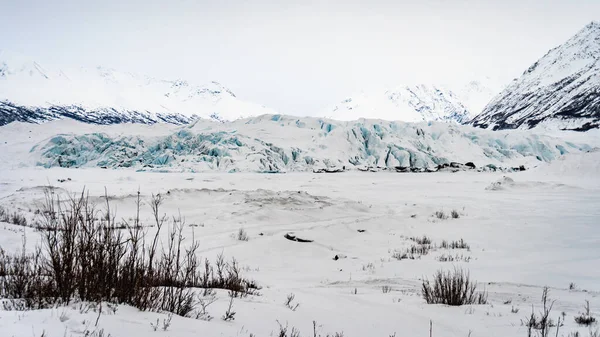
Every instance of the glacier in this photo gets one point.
(279, 143)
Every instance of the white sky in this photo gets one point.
(296, 57)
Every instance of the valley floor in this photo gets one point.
(540, 229)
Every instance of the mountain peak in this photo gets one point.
(593, 25)
(31, 92)
(561, 89)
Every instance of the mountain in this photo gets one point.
(476, 94)
(30, 92)
(560, 91)
(274, 143)
(417, 103)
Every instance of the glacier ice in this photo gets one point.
(279, 143)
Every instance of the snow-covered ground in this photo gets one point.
(538, 228)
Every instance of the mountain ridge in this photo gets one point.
(417, 103)
(561, 90)
(31, 92)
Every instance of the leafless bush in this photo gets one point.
(541, 324)
(14, 218)
(229, 314)
(452, 288)
(422, 240)
(166, 323)
(514, 310)
(204, 303)
(586, 317)
(453, 258)
(242, 235)
(440, 215)
(454, 214)
(87, 258)
(289, 302)
(3, 214)
(23, 281)
(95, 333)
(414, 252)
(386, 289)
(460, 244)
(572, 286)
(283, 331)
(369, 267)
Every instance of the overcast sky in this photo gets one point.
(296, 57)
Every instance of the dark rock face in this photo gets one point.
(561, 90)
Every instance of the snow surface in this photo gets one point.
(276, 143)
(542, 230)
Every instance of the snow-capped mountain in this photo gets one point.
(476, 94)
(561, 90)
(30, 92)
(416, 103)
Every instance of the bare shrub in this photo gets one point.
(412, 253)
(283, 331)
(370, 267)
(166, 323)
(386, 289)
(454, 214)
(4, 216)
(586, 317)
(422, 240)
(87, 258)
(242, 235)
(94, 333)
(289, 302)
(204, 303)
(452, 288)
(14, 218)
(229, 314)
(440, 215)
(543, 322)
(460, 244)
(453, 258)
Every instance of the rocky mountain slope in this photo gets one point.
(30, 92)
(560, 91)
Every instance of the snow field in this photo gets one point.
(541, 230)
